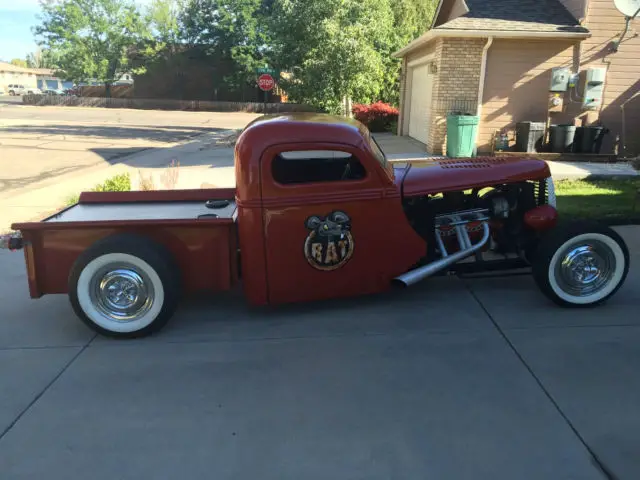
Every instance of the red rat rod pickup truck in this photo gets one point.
(318, 212)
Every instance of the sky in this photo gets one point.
(16, 19)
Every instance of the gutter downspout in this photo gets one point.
(623, 133)
(403, 97)
(483, 75)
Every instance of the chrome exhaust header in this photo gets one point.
(466, 249)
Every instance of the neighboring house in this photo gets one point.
(47, 80)
(11, 74)
(124, 79)
(494, 59)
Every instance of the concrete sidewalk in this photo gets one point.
(406, 148)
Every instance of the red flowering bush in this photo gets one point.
(378, 117)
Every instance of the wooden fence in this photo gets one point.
(165, 104)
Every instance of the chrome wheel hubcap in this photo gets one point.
(586, 269)
(122, 294)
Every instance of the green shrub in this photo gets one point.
(393, 127)
(119, 183)
(72, 199)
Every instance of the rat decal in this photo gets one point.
(329, 244)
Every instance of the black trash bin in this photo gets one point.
(577, 140)
(591, 139)
(561, 138)
(529, 136)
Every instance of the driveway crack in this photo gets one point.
(44, 390)
(598, 462)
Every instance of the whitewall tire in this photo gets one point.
(581, 264)
(124, 286)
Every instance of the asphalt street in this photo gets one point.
(45, 145)
(450, 379)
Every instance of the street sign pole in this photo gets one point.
(266, 82)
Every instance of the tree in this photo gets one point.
(343, 48)
(165, 21)
(234, 32)
(333, 49)
(94, 37)
(43, 58)
(18, 62)
(411, 18)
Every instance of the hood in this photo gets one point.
(430, 176)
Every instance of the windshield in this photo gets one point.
(377, 151)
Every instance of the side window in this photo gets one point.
(311, 166)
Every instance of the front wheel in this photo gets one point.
(581, 264)
(124, 286)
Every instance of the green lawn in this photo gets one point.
(609, 200)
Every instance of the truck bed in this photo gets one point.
(96, 212)
(202, 240)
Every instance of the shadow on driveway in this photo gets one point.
(168, 134)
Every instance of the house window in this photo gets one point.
(311, 166)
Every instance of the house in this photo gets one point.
(47, 80)
(11, 74)
(496, 59)
(123, 79)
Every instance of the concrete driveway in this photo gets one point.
(451, 379)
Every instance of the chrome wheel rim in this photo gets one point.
(122, 294)
(585, 268)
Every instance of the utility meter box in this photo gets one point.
(594, 88)
(559, 79)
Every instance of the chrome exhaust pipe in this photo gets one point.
(420, 273)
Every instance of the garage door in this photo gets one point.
(421, 86)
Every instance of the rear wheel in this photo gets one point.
(581, 264)
(124, 286)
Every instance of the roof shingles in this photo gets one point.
(515, 15)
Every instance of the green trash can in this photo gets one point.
(461, 135)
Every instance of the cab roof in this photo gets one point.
(270, 130)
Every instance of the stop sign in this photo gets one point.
(266, 82)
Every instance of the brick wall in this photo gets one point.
(456, 84)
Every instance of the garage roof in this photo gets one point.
(513, 15)
(505, 19)
(10, 67)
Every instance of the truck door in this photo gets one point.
(333, 224)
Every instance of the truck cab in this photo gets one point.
(320, 214)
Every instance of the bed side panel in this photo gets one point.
(203, 253)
